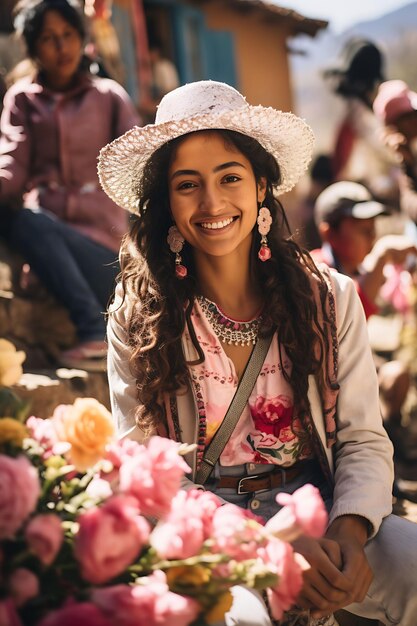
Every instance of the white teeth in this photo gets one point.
(215, 225)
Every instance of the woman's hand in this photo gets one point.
(339, 572)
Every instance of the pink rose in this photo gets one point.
(237, 532)
(23, 585)
(19, 493)
(280, 559)
(116, 453)
(109, 539)
(271, 415)
(82, 614)
(303, 513)
(147, 603)
(153, 475)
(8, 614)
(44, 535)
(187, 525)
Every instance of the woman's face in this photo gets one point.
(58, 50)
(213, 195)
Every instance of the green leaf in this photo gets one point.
(11, 405)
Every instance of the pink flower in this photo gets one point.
(43, 432)
(116, 453)
(23, 585)
(303, 513)
(19, 493)
(44, 535)
(237, 532)
(147, 603)
(280, 559)
(82, 614)
(8, 614)
(153, 475)
(109, 539)
(187, 525)
(286, 434)
(264, 221)
(271, 415)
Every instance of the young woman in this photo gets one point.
(52, 128)
(207, 269)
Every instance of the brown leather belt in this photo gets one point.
(258, 482)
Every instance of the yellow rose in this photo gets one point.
(10, 363)
(186, 576)
(217, 612)
(12, 431)
(86, 425)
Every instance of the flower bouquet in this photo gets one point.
(98, 532)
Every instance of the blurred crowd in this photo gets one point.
(358, 214)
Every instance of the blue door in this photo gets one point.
(202, 53)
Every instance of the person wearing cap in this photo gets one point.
(209, 269)
(359, 153)
(396, 106)
(345, 214)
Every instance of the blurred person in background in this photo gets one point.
(54, 123)
(396, 106)
(164, 79)
(360, 154)
(320, 176)
(345, 215)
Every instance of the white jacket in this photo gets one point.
(361, 459)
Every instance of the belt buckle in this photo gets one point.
(240, 488)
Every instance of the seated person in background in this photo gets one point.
(345, 215)
(164, 79)
(396, 106)
(53, 125)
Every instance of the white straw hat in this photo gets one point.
(204, 105)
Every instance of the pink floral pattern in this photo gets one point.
(264, 434)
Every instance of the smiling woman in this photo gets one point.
(214, 204)
(212, 283)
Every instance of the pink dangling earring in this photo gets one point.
(176, 242)
(264, 226)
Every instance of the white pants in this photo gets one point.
(392, 555)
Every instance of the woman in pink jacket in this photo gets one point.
(52, 128)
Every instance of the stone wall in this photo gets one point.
(35, 322)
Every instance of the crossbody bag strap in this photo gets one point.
(238, 403)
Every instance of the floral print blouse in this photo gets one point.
(266, 432)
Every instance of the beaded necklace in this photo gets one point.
(236, 332)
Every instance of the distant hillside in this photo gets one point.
(395, 33)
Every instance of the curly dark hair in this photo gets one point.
(161, 305)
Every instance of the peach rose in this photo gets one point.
(10, 363)
(87, 426)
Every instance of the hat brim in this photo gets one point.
(367, 210)
(284, 135)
